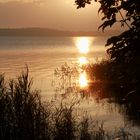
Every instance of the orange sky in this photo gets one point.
(59, 14)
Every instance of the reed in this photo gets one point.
(24, 116)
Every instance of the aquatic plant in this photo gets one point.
(24, 116)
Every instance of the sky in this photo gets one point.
(58, 14)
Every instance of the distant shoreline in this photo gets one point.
(23, 32)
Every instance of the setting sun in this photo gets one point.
(83, 44)
(83, 82)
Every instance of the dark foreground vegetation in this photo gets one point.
(24, 116)
(119, 83)
(120, 76)
(123, 68)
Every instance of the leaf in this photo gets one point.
(112, 40)
(107, 23)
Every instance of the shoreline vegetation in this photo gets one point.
(106, 80)
(25, 116)
(121, 73)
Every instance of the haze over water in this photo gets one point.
(43, 55)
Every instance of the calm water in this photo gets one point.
(44, 54)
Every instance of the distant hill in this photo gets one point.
(49, 32)
(32, 32)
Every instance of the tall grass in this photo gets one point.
(24, 116)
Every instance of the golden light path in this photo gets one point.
(82, 60)
(83, 44)
(83, 82)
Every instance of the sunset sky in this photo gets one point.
(58, 14)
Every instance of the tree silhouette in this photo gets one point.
(123, 48)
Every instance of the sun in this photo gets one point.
(83, 44)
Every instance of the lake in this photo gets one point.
(44, 54)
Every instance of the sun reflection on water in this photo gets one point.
(83, 82)
(82, 60)
(83, 44)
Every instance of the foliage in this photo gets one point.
(24, 116)
(124, 47)
(65, 79)
(82, 3)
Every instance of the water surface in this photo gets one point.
(44, 54)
